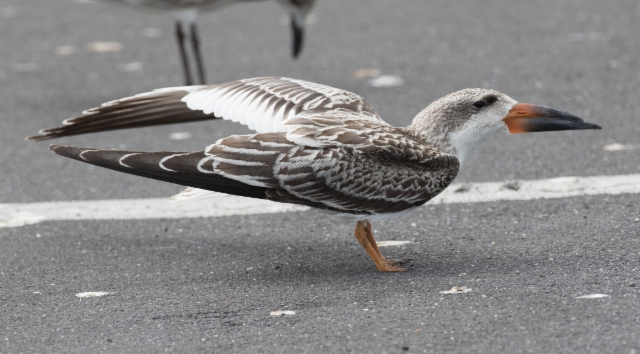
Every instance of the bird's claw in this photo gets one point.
(395, 262)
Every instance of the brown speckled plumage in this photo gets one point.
(322, 146)
(314, 145)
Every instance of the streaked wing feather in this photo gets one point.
(158, 107)
(257, 102)
(263, 104)
(179, 168)
(392, 173)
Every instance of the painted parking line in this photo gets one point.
(13, 215)
(20, 214)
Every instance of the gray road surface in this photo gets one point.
(208, 285)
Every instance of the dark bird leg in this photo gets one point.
(195, 42)
(298, 34)
(183, 54)
(364, 235)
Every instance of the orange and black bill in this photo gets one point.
(528, 118)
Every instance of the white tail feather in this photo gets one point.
(195, 193)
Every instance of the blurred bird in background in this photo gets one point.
(185, 13)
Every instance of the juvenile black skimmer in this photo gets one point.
(186, 12)
(315, 145)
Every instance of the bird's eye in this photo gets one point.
(479, 104)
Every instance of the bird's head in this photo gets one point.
(298, 11)
(458, 122)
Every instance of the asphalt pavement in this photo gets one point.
(209, 285)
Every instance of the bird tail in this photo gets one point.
(174, 167)
(158, 107)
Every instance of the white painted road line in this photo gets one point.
(14, 215)
(561, 187)
(92, 294)
(592, 296)
(392, 243)
(457, 290)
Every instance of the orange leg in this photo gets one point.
(364, 235)
(373, 242)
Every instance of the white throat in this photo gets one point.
(479, 128)
(468, 138)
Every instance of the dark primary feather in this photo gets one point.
(264, 96)
(155, 108)
(147, 164)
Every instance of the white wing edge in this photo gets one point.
(195, 193)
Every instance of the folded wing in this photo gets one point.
(387, 171)
(370, 178)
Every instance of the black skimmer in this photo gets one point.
(186, 12)
(315, 145)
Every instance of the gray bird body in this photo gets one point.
(202, 5)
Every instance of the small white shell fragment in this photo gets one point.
(592, 296)
(282, 313)
(102, 47)
(386, 81)
(179, 135)
(618, 147)
(392, 243)
(457, 289)
(92, 294)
